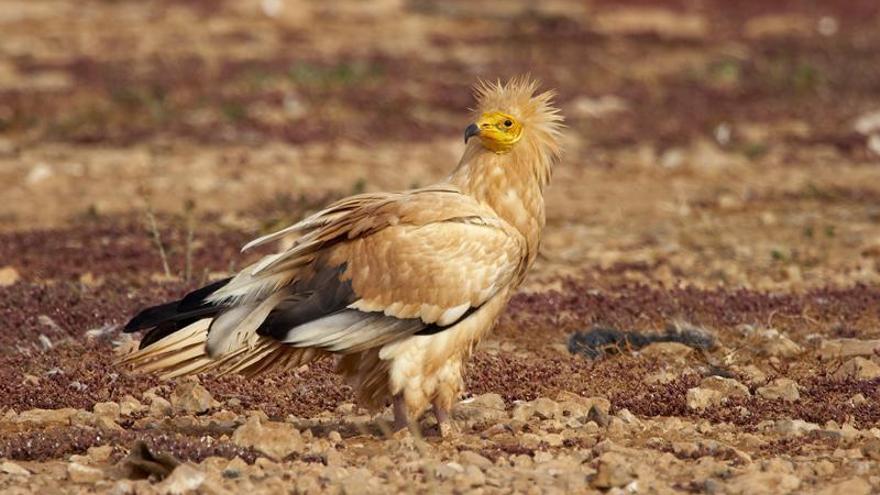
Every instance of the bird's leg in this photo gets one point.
(401, 419)
(445, 426)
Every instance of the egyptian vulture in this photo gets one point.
(398, 287)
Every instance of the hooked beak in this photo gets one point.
(472, 130)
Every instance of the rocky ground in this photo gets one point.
(704, 316)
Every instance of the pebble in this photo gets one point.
(775, 344)
(844, 348)
(184, 479)
(276, 440)
(159, 407)
(715, 390)
(8, 276)
(781, 388)
(481, 409)
(852, 486)
(192, 398)
(9, 467)
(47, 417)
(109, 410)
(764, 483)
(80, 473)
(612, 470)
(793, 427)
(471, 458)
(858, 368)
(667, 351)
(543, 408)
(129, 405)
(598, 416)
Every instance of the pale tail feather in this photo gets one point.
(183, 353)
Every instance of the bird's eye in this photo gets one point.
(508, 123)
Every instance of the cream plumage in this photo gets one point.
(399, 286)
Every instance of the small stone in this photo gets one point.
(192, 398)
(793, 427)
(715, 390)
(8, 276)
(100, 454)
(844, 348)
(9, 467)
(628, 417)
(753, 373)
(667, 351)
(159, 407)
(530, 440)
(775, 344)
(542, 407)
(612, 470)
(129, 405)
(868, 123)
(546, 408)
(334, 437)
(448, 470)
(858, 399)
(781, 388)
(47, 417)
(858, 368)
(184, 479)
(871, 449)
(852, 486)
(334, 458)
(824, 468)
(598, 416)
(234, 468)
(109, 410)
(577, 406)
(79, 473)
(661, 377)
(553, 439)
(486, 408)
(30, 380)
(471, 458)
(763, 483)
(472, 477)
(276, 440)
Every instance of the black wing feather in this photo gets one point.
(165, 319)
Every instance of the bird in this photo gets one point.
(397, 287)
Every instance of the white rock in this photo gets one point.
(794, 427)
(858, 368)
(868, 123)
(8, 276)
(79, 473)
(9, 467)
(715, 390)
(184, 479)
(843, 348)
(276, 440)
(781, 388)
(192, 398)
(482, 408)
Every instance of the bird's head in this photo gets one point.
(498, 131)
(512, 118)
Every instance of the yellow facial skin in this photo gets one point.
(498, 131)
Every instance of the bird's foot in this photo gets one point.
(446, 427)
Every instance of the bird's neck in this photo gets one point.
(509, 184)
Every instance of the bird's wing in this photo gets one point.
(365, 271)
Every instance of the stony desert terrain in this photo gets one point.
(704, 316)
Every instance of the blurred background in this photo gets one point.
(723, 142)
